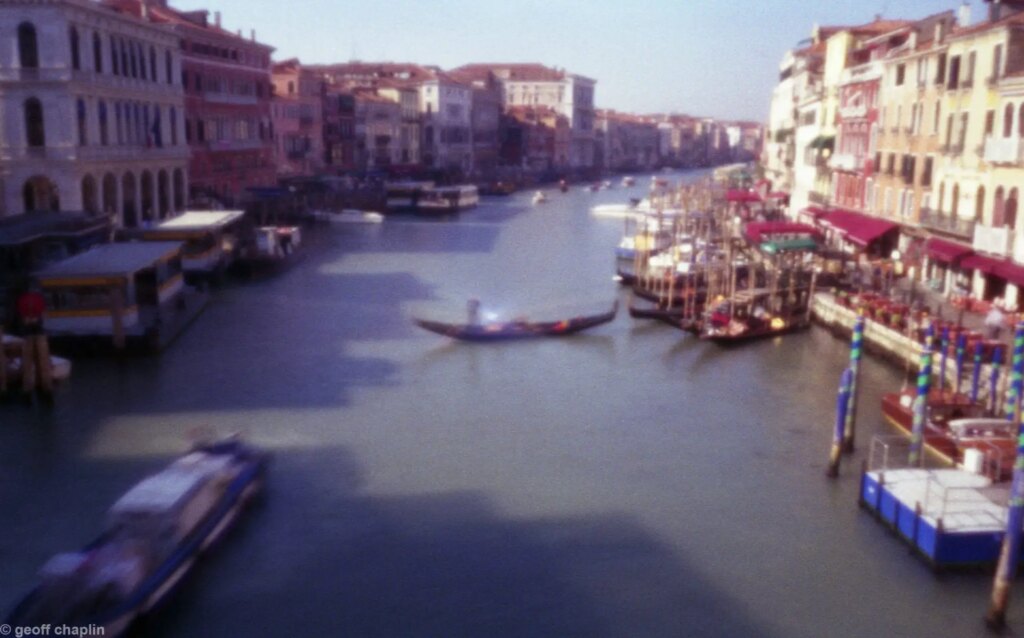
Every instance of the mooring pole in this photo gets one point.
(944, 344)
(993, 399)
(920, 412)
(856, 351)
(961, 348)
(1009, 556)
(979, 347)
(842, 405)
(1016, 375)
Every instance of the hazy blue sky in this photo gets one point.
(716, 58)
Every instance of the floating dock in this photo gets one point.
(951, 517)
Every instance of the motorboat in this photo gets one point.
(153, 536)
(444, 200)
(539, 197)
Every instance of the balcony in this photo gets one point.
(1003, 150)
(996, 241)
(956, 226)
(229, 98)
(844, 162)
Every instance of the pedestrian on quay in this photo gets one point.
(30, 307)
(994, 321)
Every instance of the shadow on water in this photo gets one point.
(435, 564)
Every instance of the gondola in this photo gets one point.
(517, 328)
(674, 317)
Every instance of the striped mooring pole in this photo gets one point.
(993, 398)
(979, 348)
(1009, 556)
(842, 405)
(944, 344)
(920, 412)
(856, 353)
(961, 349)
(1016, 376)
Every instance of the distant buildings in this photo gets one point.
(132, 110)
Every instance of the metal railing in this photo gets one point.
(949, 224)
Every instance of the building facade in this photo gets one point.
(297, 117)
(92, 111)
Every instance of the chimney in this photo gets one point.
(963, 17)
(994, 12)
(216, 19)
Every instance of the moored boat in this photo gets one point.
(539, 197)
(443, 200)
(517, 328)
(955, 424)
(753, 314)
(154, 535)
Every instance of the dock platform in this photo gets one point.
(951, 517)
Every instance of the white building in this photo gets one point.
(92, 113)
(446, 109)
(568, 94)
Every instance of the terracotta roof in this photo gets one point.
(161, 13)
(526, 72)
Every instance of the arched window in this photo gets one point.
(168, 67)
(126, 69)
(954, 204)
(109, 194)
(104, 138)
(156, 129)
(76, 57)
(35, 130)
(1020, 120)
(40, 194)
(118, 131)
(1008, 120)
(979, 205)
(97, 53)
(152, 64)
(115, 66)
(999, 209)
(179, 190)
(89, 201)
(942, 196)
(129, 212)
(173, 115)
(83, 138)
(1011, 210)
(28, 46)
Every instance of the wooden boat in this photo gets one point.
(749, 315)
(955, 424)
(539, 197)
(445, 200)
(154, 535)
(675, 316)
(517, 328)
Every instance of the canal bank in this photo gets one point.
(629, 481)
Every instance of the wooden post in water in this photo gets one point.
(944, 344)
(117, 316)
(1010, 553)
(993, 398)
(979, 348)
(856, 353)
(924, 382)
(3, 362)
(1013, 394)
(961, 347)
(838, 436)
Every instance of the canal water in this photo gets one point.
(629, 481)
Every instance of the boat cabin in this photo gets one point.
(405, 195)
(112, 289)
(448, 199)
(210, 238)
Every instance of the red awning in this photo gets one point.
(1011, 272)
(946, 251)
(858, 228)
(742, 196)
(987, 265)
(758, 232)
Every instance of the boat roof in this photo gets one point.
(980, 422)
(111, 260)
(202, 220)
(170, 488)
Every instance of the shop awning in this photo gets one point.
(814, 212)
(758, 232)
(946, 251)
(1011, 272)
(742, 196)
(981, 263)
(858, 228)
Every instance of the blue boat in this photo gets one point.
(154, 534)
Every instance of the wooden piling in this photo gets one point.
(976, 372)
(920, 411)
(856, 353)
(842, 406)
(1010, 552)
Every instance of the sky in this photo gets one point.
(712, 58)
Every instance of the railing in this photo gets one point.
(229, 98)
(948, 224)
(1004, 150)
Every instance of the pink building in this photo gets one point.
(297, 112)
